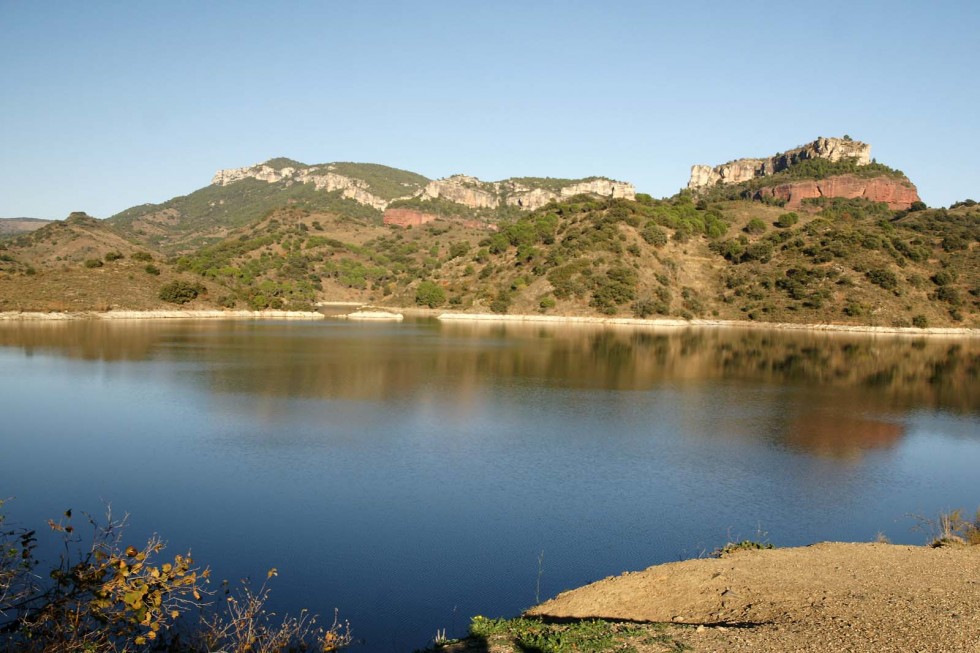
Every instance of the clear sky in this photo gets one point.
(104, 105)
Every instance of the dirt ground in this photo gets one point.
(824, 597)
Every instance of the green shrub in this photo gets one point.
(943, 278)
(787, 220)
(654, 235)
(93, 263)
(882, 277)
(113, 256)
(430, 294)
(152, 269)
(458, 249)
(755, 226)
(142, 256)
(920, 321)
(949, 295)
(501, 303)
(180, 291)
(744, 545)
(617, 286)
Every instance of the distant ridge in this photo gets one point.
(15, 226)
(359, 191)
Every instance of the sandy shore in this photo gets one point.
(739, 324)
(825, 597)
(164, 315)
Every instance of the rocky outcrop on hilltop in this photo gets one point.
(461, 189)
(897, 194)
(525, 194)
(734, 172)
(320, 176)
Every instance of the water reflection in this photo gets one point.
(837, 395)
(399, 449)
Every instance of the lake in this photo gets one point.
(416, 474)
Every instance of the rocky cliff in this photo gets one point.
(525, 193)
(321, 177)
(897, 194)
(734, 172)
(468, 191)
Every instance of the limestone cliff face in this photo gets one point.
(734, 172)
(897, 194)
(476, 194)
(461, 189)
(320, 176)
(468, 191)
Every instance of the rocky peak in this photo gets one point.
(320, 176)
(734, 172)
(526, 193)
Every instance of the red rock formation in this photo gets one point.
(896, 193)
(407, 217)
(413, 218)
(476, 224)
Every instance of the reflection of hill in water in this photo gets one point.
(456, 363)
(840, 435)
(341, 360)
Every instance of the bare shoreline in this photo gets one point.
(213, 314)
(962, 332)
(659, 323)
(829, 596)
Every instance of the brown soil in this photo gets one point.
(824, 597)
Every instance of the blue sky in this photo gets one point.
(104, 105)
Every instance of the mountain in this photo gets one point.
(360, 191)
(239, 196)
(14, 226)
(264, 236)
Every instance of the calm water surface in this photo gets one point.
(416, 474)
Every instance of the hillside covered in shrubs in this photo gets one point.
(716, 254)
